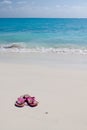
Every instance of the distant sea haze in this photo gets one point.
(57, 35)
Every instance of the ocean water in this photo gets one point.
(56, 35)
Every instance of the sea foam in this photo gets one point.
(20, 48)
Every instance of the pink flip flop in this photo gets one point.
(32, 102)
(20, 102)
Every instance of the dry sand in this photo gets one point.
(61, 91)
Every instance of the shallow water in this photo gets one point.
(57, 35)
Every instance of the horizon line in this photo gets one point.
(49, 17)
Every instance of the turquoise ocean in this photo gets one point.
(56, 35)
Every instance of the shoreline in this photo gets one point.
(20, 48)
(45, 59)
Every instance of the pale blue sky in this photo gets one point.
(43, 8)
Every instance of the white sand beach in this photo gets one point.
(59, 84)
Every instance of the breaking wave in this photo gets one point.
(10, 46)
(20, 48)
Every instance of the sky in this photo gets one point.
(43, 8)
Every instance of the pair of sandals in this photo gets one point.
(26, 100)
